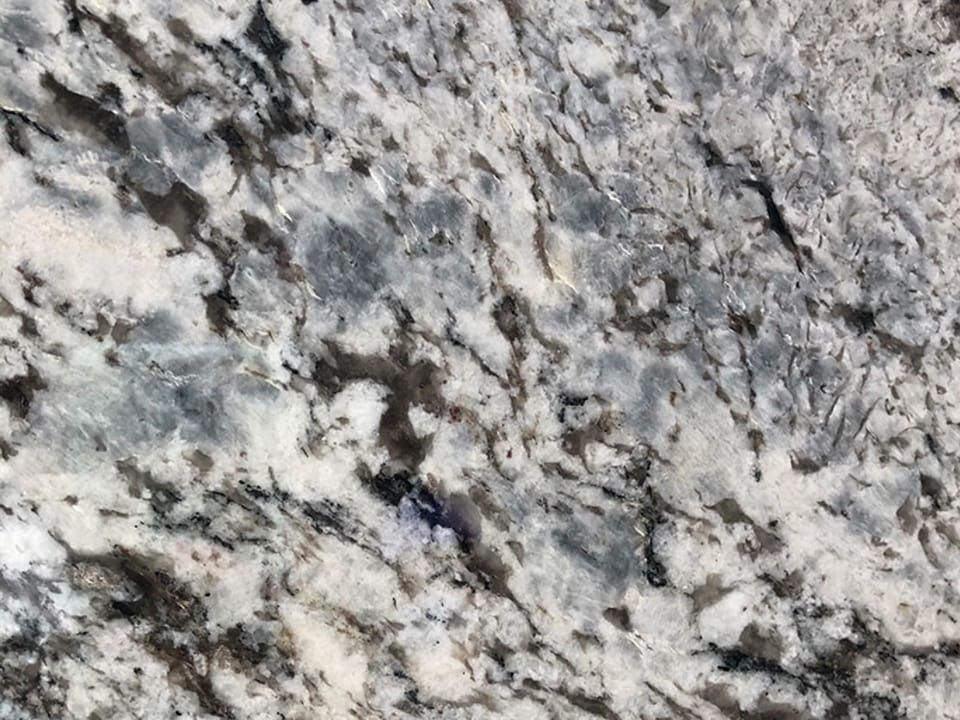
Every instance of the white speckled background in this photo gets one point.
(463, 360)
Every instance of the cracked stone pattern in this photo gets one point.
(523, 359)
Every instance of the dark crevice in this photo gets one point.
(777, 222)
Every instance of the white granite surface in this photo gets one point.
(525, 359)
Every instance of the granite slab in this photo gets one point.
(486, 359)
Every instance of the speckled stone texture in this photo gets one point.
(524, 359)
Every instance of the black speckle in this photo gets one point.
(777, 222)
(712, 156)
(859, 318)
(395, 486)
(19, 391)
(739, 661)
(360, 165)
(86, 115)
(73, 17)
(219, 306)
(659, 9)
(327, 517)
(618, 617)
(948, 93)
(655, 571)
(638, 471)
(109, 94)
(391, 484)
(261, 32)
(228, 132)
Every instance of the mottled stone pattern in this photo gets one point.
(487, 359)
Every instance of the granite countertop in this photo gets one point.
(521, 359)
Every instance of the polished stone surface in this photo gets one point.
(524, 359)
